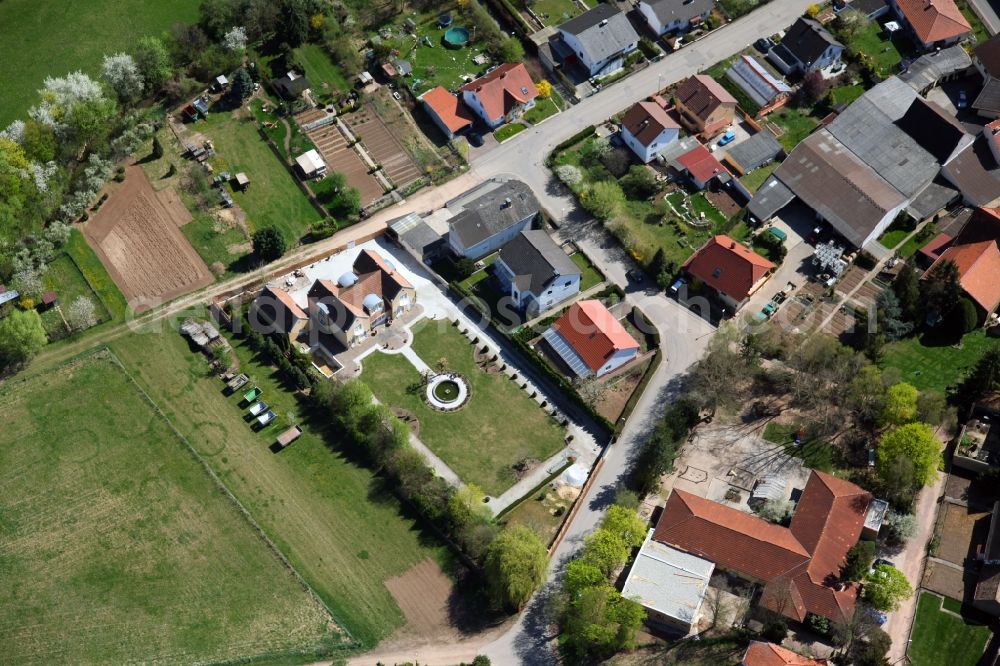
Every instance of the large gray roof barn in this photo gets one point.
(755, 152)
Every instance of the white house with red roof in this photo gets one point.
(447, 111)
(502, 95)
(733, 271)
(933, 23)
(590, 340)
(647, 128)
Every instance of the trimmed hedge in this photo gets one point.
(585, 133)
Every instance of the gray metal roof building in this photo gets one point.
(925, 72)
(756, 81)
(755, 152)
(669, 583)
(603, 31)
(491, 210)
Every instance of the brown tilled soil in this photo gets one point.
(339, 157)
(422, 593)
(138, 238)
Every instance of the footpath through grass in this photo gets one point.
(937, 633)
(499, 426)
(929, 363)
(117, 545)
(333, 519)
(53, 38)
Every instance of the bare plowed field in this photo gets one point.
(422, 594)
(339, 157)
(385, 147)
(137, 235)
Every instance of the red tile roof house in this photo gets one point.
(704, 106)
(360, 301)
(447, 111)
(502, 95)
(274, 311)
(976, 254)
(701, 167)
(647, 128)
(798, 565)
(933, 23)
(590, 340)
(769, 654)
(731, 270)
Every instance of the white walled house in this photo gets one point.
(590, 341)
(647, 129)
(487, 221)
(501, 96)
(600, 39)
(535, 272)
(663, 16)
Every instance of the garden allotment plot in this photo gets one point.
(117, 547)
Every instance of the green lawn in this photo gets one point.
(589, 275)
(332, 518)
(887, 54)
(323, 74)
(63, 277)
(756, 178)
(815, 454)
(918, 240)
(554, 12)
(96, 275)
(544, 108)
(480, 442)
(978, 29)
(796, 124)
(891, 239)
(273, 197)
(118, 546)
(929, 365)
(54, 38)
(936, 634)
(509, 130)
(846, 94)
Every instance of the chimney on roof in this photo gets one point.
(503, 75)
(732, 245)
(506, 203)
(603, 23)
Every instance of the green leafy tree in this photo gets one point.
(293, 25)
(624, 523)
(515, 565)
(511, 50)
(858, 561)
(242, 84)
(599, 622)
(886, 587)
(605, 550)
(930, 407)
(866, 393)
(984, 378)
(21, 336)
(968, 316)
(269, 243)
(900, 404)
(640, 183)
(914, 442)
(603, 199)
(153, 61)
(581, 574)
(941, 289)
(906, 286)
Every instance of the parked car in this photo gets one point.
(676, 286)
(763, 44)
(727, 138)
(476, 139)
(396, 95)
(883, 561)
(963, 100)
(879, 617)
(635, 275)
(814, 235)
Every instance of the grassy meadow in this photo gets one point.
(117, 547)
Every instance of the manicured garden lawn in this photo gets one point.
(323, 74)
(936, 633)
(815, 454)
(978, 29)
(63, 277)
(481, 442)
(589, 275)
(509, 130)
(544, 516)
(96, 275)
(700, 205)
(213, 244)
(846, 94)
(872, 42)
(929, 365)
(543, 109)
(756, 178)
(554, 12)
(54, 38)
(796, 124)
(331, 518)
(891, 239)
(119, 547)
(918, 240)
(273, 198)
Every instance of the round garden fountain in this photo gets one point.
(456, 37)
(447, 392)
